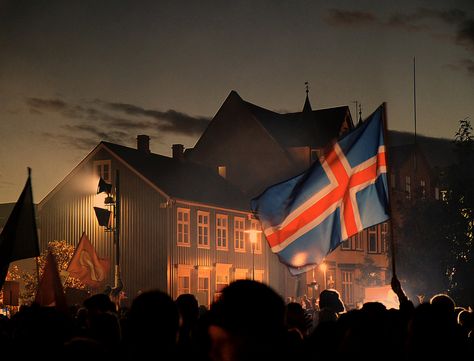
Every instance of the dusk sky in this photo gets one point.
(73, 73)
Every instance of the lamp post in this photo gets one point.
(323, 266)
(253, 242)
(103, 217)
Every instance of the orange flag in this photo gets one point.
(50, 290)
(87, 266)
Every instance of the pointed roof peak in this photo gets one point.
(307, 105)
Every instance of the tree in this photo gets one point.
(461, 201)
(63, 253)
(369, 273)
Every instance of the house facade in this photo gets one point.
(174, 236)
(185, 219)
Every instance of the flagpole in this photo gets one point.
(34, 220)
(390, 223)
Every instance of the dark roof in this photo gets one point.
(181, 179)
(308, 128)
(439, 152)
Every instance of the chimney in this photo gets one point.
(178, 151)
(143, 143)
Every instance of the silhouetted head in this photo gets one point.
(188, 308)
(153, 318)
(247, 323)
(330, 299)
(442, 303)
(99, 303)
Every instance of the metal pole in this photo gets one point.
(117, 280)
(253, 261)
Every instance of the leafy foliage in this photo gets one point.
(63, 253)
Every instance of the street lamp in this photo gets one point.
(103, 217)
(323, 267)
(253, 242)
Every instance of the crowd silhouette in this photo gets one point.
(248, 322)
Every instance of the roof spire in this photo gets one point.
(360, 113)
(307, 104)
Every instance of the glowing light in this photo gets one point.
(323, 267)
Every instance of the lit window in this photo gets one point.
(183, 227)
(222, 278)
(184, 279)
(347, 287)
(259, 275)
(203, 229)
(239, 239)
(241, 274)
(222, 170)
(203, 292)
(221, 231)
(102, 168)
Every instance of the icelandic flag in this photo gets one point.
(308, 216)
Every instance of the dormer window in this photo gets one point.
(102, 168)
(222, 170)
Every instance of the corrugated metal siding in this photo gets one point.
(143, 236)
(199, 257)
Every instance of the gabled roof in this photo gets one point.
(316, 128)
(181, 179)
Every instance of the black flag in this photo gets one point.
(19, 238)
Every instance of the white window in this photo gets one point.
(408, 187)
(255, 226)
(203, 229)
(221, 231)
(184, 279)
(348, 287)
(372, 240)
(183, 227)
(346, 245)
(203, 292)
(222, 278)
(239, 229)
(102, 168)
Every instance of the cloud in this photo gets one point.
(169, 121)
(465, 34)
(93, 121)
(419, 20)
(339, 17)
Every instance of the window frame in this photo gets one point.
(181, 241)
(222, 232)
(201, 228)
(239, 235)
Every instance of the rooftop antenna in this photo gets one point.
(356, 102)
(360, 113)
(414, 109)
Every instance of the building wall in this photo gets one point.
(193, 259)
(68, 212)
